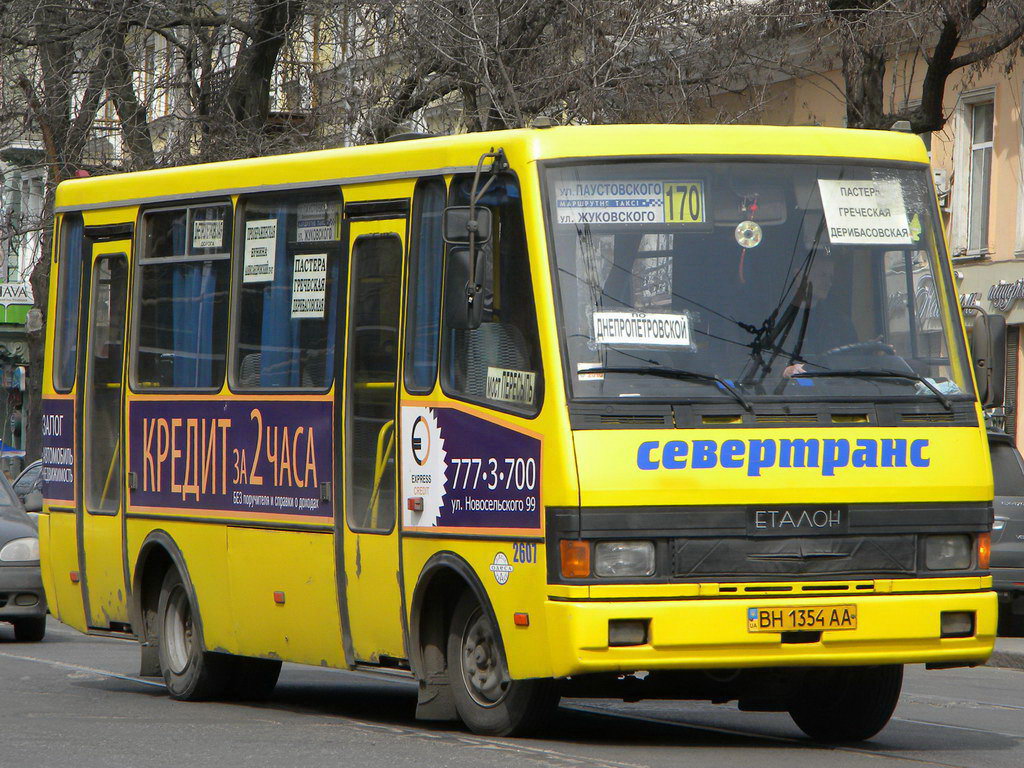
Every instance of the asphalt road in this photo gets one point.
(75, 702)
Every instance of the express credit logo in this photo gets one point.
(755, 456)
(420, 433)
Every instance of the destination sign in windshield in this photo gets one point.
(630, 202)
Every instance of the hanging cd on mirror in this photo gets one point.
(748, 234)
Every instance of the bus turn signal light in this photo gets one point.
(984, 550)
(575, 559)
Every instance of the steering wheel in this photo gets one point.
(862, 347)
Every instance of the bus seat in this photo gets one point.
(492, 345)
(314, 369)
(249, 374)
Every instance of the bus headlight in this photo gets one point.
(20, 550)
(624, 558)
(947, 552)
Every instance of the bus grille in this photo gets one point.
(796, 556)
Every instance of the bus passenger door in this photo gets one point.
(100, 401)
(372, 585)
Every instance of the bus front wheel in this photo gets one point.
(487, 700)
(846, 703)
(190, 673)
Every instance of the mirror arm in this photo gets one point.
(498, 164)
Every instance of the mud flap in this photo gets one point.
(435, 700)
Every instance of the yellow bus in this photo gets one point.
(643, 411)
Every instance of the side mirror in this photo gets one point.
(460, 220)
(988, 357)
(34, 501)
(463, 303)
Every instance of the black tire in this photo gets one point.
(1010, 624)
(486, 699)
(190, 673)
(252, 679)
(30, 630)
(846, 704)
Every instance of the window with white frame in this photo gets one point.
(981, 127)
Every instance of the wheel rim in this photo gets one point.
(482, 669)
(178, 631)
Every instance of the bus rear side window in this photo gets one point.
(183, 298)
(69, 294)
(290, 266)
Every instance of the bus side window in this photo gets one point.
(498, 364)
(290, 269)
(423, 317)
(181, 339)
(69, 294)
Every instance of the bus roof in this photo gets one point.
(457, 153)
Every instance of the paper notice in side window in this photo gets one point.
(511, 386)
(260, 253)
(309, 285)
(316, 222)
(208, 233)
(641, 328)
(865, 212)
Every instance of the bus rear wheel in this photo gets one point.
(846, 703)
(487, 700)
(190, 673)
(252, 679)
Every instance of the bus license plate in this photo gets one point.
(788, 618)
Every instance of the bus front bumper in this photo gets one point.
(713, 633)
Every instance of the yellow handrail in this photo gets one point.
(387, 432)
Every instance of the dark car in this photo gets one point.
(22, 601)
(1008, 533)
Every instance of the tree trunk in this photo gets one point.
(863, 73)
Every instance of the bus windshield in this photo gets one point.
(788, 280)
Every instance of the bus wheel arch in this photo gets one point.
(451, 612)
(158, 554)
(444, 579)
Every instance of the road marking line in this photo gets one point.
(803, 742)
(927, 698)
(961, 728)
(80, 668)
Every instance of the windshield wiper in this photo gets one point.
(678, 373)
(867, 373)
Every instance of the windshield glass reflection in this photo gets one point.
(782, 280)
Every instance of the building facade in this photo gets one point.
(978, 163)
(22, 198)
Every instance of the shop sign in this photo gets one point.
(15, 293)
(970, 300)
(1003, 295)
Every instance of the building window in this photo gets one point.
(980, 125)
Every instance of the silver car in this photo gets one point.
(1008, 533)
(22, 601)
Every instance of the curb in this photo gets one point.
(1006, 660)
